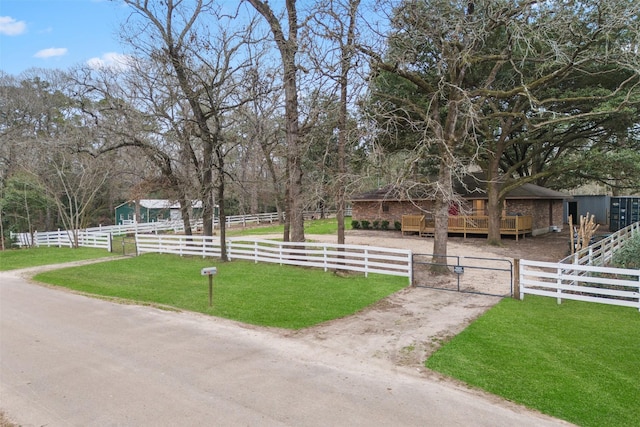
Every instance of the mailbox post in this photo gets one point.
(209, 271)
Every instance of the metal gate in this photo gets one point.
(125, 245)
(487, 276)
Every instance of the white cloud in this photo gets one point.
(11, 27)
(116, 61)
(51, 52)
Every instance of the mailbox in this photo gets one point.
(208, 271)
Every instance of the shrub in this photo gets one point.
(376, 224)
(384, 225)
(397, 225)
(355, 225)
(365, 224)
(629, 255)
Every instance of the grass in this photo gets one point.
(5, 421)
(576, 361)
(259, 294)
(316, 226)
(33, 257)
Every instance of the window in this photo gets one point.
(385, 207)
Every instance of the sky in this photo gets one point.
(59, 33)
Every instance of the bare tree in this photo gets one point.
(186, 81)
(288, 47)
(336, 22)
(264, 134)
(73, 183)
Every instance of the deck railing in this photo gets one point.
(511, 225)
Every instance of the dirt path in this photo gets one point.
(402, 330)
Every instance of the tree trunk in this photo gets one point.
(345, 66)
(296, 200)
(288, 48)
(208, 200)
(185, 207)
(494, 210)
(494, 205)
(222, 216)
(441, 216)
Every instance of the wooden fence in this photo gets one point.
(359, 258)
(615, 286)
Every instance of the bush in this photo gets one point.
(397, 225)
(629, 255)
(355, 225)
(384, 225)
(365, 224)
(376, 224)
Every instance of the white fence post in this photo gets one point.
(255, 252)
(366, 263)
(324, 257)
(559, 282)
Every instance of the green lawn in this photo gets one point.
(260, 294)
(23, 258)
(316, 226)
(576, 361)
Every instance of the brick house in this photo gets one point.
(543, 205)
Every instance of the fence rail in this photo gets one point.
(61, 237)
(50, 238)
(64, 238)
(204, 246)
(359, 258)
(601, 252)
(615, 286)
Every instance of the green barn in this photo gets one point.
(153, 210)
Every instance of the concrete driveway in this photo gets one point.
(71, 360)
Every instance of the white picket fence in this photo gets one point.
(64, 238)
(359, 258)
(615, 286)
(204, 246)
(95, 237)
(56, 238)
(583, 275)
(601, 252)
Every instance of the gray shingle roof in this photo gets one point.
(471, 187)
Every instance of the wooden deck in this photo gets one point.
(510, 225)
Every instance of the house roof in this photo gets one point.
(470, 187)
(162, 204)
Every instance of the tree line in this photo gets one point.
(255, 108)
